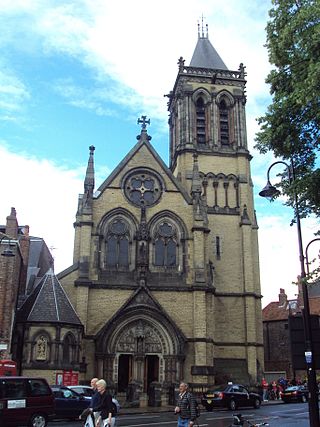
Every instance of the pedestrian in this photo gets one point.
(186, 407)
(95, 398)
(105, 407)
(265, 386)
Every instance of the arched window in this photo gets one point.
(165, 245)
(117, 244)
(224, 122)
(68, 348)
(201, 121)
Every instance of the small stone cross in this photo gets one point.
(143, 122)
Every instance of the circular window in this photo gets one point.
(143, 188)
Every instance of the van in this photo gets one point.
(25, 402)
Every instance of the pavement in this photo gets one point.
(170, 408)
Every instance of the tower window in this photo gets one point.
(224, 123)
(201, 121)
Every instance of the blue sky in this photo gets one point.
(76, 73)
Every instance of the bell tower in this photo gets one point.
(209, 156)
(207, 109)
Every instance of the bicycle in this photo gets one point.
(238, 420)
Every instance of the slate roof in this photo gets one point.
(205, 56)
(48, 303)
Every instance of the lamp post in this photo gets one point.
(307, 247)
(269, 191)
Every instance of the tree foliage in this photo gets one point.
(291, 126)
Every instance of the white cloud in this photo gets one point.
(45, 198)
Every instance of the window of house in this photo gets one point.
(165, 245)
(224, 122)
(201, 121)
(117, 244)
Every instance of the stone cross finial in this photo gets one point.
(143, 122)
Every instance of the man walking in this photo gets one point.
(186, 407)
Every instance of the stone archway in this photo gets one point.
(144, 351)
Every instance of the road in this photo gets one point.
(279, 415)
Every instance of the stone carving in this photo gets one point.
(41, 348)
(140, 338)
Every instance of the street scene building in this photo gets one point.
(164, 284)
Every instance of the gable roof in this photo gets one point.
(143, 142)
(48, 303)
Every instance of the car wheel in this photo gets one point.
(38, 420)
(256, 403)
(232, 405)
(304, 398)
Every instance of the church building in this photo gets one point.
(165, 276)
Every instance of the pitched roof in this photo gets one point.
(48, 303)
(144, 142)
(205, 56)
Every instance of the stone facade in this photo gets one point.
(165, 278)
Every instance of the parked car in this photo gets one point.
(68, 403)
(25, 401)
(87, 391)
(230, 396)
(295, 393)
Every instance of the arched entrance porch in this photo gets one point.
(140, 347)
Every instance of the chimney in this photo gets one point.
(282, 298)
(12, 224)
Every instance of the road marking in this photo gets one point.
(138, 417)
(163, 422)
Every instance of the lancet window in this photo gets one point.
(201, 121)
(224, 122)
(117, 244)
(165, 245)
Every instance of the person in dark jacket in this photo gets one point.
(186, 407)
(95, 398)
(105, 406)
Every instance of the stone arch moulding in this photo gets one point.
(201, 93)
(167, 334)
(227, 96)
(118, 212)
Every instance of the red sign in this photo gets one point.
(67, 378)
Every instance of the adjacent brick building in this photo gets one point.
(276, 329)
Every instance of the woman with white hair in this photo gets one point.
(105, 406)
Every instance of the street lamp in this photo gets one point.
(307, 259)
(269, 191)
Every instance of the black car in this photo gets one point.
(68, 403)
(295, 393)
(230, 396)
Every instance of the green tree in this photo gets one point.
(291, 126)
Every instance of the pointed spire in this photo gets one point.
(205, 55)
(143, 137)
(89, 180)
